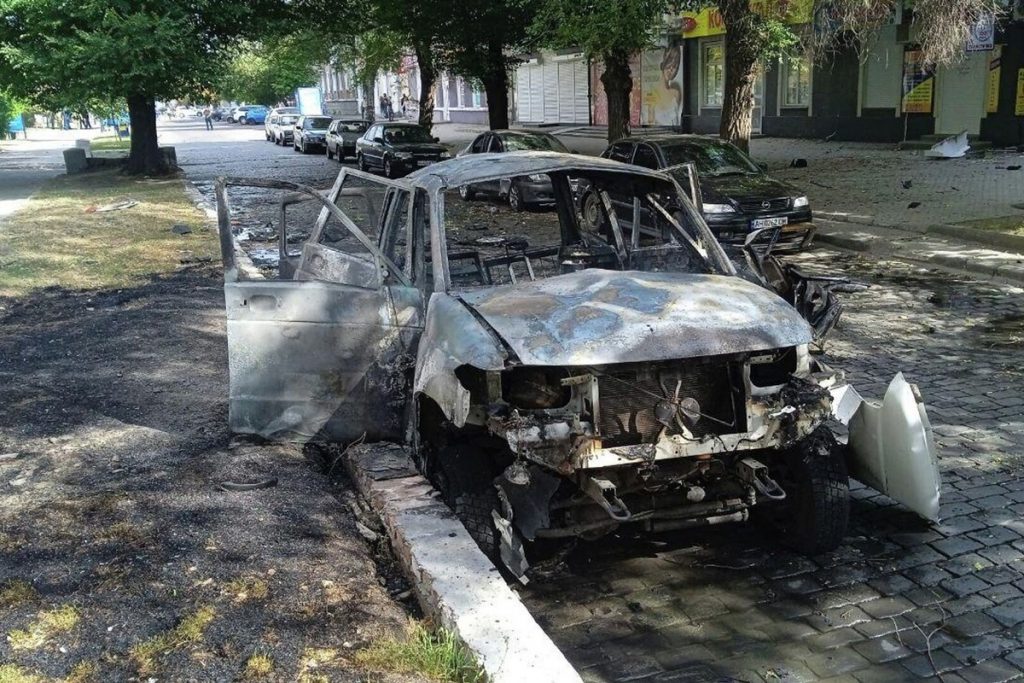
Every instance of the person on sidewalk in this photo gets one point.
(390, 108)
(208, 117)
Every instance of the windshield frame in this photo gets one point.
(717, 261)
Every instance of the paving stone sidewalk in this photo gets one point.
(902, 599)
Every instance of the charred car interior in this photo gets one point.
(555, 377)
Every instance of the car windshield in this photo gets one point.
(403, 134)
(649, 228)
(710, 158)
(517, 143)
(352, 126)
(289, 119)
(318, 122)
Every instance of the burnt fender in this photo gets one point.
(891, 448)
(453, 337)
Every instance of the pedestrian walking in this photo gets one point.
(208, 117)
(389, 107)
(404, 103)
(383, 102)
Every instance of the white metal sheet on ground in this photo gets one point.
(891, 444)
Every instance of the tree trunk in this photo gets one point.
(428, 77)
(145, 154)
(741, 52)
(496, 87)
(618, 82)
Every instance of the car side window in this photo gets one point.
(645, 157)
(621, 151)
(480, 144)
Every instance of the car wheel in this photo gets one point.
(244, 121)
(817, 506)
(592, 210)
(388, 170)
(330, 154)
(515, 199)
(360, 162)
(467, 193)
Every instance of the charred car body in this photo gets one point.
(564, 388)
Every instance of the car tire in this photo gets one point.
(360, 162)
(330, 154)
(244, 121)
(515, 198)
(467, 193)
(817, 506)
(591, 210)
(388, 169)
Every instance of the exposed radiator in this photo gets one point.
(629, 393)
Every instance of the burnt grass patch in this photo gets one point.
(114, 440)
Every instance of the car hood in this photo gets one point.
(744, 188)
(597, 317)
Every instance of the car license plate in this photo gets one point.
(425, 162)
(768, 222)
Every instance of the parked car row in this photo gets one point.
(735, 195)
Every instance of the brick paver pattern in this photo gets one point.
(902, 599)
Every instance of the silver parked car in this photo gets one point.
(562, 382)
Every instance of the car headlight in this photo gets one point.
(537, 178)
(445, 155)
(719, 208)
(403, 155)
(800, 201)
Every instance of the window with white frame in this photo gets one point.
(796, 81)
(713, 74)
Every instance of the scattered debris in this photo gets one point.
(113, 206)
(798, 163)
(247, 486)
(953, 147)
(180, 229)
(367, 533)
(1014, 167)
(913, 205)
(8, 457)
(907, 184)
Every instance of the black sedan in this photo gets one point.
(398, 148)
(342, 136)
(532, 190)
(310, 133)
(737, 195)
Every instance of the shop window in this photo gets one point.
(713, 74)
(796, 82)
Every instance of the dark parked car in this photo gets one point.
(738, 197)
(521, 191)
(398, 148)
(310, 133)
(342, 136)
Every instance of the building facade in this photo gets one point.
(883, 93)
(455, 98)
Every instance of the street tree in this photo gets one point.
(143, 50)
(758, 33)
(482, 42)
(268, 71)
(609, 30)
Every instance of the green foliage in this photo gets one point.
(58, 54)
(370, 52)
(269, 71)
(434, 656)
(599, 27)
(10, 107)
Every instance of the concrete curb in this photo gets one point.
(966, 262)
(959, 232)
(456, 585)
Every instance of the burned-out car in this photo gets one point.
(555, 381)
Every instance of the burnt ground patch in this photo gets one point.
(118, 553)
